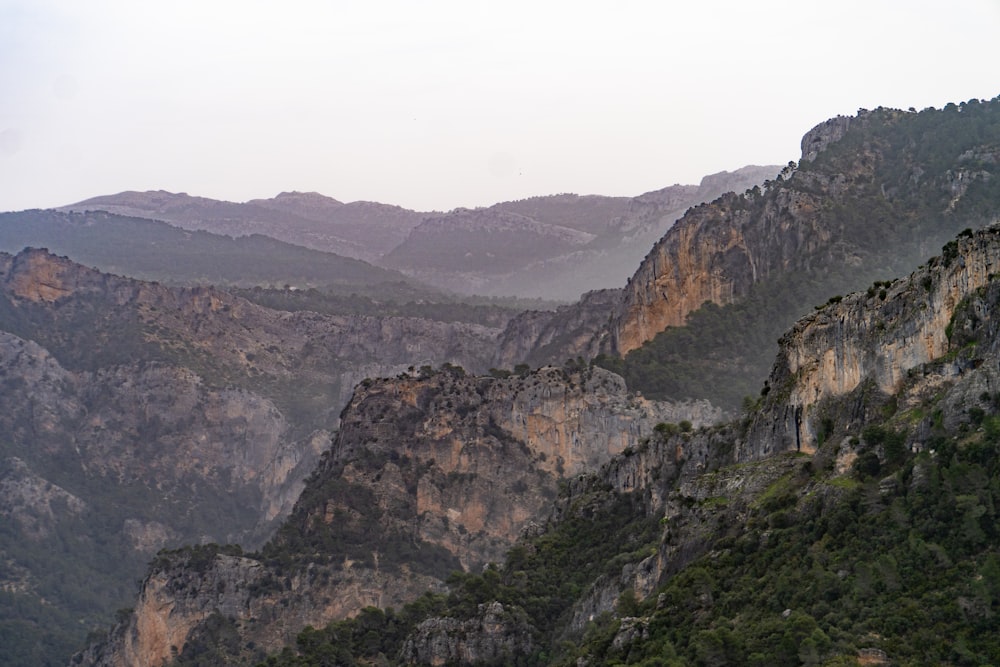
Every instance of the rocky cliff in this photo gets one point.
(540, 338)
(880, 337)
(427, 473)
(862, 182)
(882, 405)
(494, 636)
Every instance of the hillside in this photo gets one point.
(152, 250)
(873, 196)
(849, 518)
(361, 230)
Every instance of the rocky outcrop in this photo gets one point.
(483, 456)
(816, 140)
(540, 338)
(439, 463)
(494, 636)
(880, 336)
(168, 608)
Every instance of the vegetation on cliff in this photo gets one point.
(883, 197)
(881, 546)
(895, 558)
(880, 543)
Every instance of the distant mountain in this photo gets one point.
(154, 250)
(362, 230)
(551, 247)
(523, 247)
(482, 241)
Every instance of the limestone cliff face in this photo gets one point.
(881, 179)
(467, 463)
(191, 587)
(718, 251)
(167, 609)
(880, 336)
(428, 472)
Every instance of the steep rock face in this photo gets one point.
(716, 253)
(493, 636)
(192, 587)
(880, 336)
(704, 261)
(426, 474)
(166, 611)
(467, 463)
(884, 178)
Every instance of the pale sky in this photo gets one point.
(433, 105)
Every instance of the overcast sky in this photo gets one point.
(433, 105)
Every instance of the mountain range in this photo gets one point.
(554, 247)
(829, 499)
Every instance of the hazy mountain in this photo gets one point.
(154, 250)
(362, 230)
(552, 247)
(523, 248)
